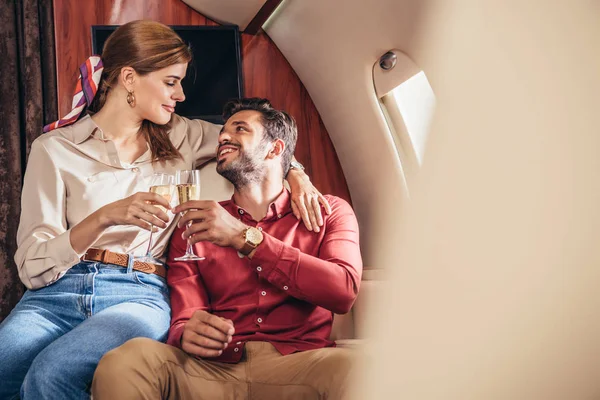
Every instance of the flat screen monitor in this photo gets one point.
(213, 77)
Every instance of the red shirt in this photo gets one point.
(286, 294)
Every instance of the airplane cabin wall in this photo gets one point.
(333, 45)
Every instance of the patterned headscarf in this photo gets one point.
(87, 86)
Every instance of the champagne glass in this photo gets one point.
(188, 188)
(163, 185)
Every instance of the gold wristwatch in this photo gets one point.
(253, 238)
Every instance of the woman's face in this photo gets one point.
(157, 93)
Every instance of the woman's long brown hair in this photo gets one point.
(145, 46)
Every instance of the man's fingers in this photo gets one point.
(203, 234)
(212, 333)
(193, 205)
(191, 216)
(218, 323)
(195, 228)
(199, 351)
(206, 335)
(208, 343)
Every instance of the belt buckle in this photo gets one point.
(85, 257)
(103, 256)
(146, 267)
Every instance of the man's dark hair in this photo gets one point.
(278, 124)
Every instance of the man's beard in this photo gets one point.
(244, 170)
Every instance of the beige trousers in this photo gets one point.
(145, 369)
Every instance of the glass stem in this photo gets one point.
(190, 249)
(150, 241)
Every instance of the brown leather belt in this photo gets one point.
(109, 257)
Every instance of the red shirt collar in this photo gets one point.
(280, 207)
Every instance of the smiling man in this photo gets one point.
(253, 319)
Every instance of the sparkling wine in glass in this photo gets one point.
(163, 185)
(188, 188)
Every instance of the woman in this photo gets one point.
(85, 207)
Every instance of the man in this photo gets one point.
(253, 319)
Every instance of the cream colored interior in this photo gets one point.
(384, 81)
(497, 291)
(238, 12)
(332, 46)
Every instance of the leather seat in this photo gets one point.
(349, 330)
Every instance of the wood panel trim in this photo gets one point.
(262, 16)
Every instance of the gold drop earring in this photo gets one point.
(130, 99)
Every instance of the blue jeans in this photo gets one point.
(52, 341)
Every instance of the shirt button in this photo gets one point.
(279, 215)
(263, 293)
(236, 349)
(239, 343)
(259, 268)
(260, 228)
(285, 288)
(241, 211)
(259, 320)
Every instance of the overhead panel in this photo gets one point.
(237, 12)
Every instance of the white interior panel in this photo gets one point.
(237, 12)
(497, 297)
(332, 45)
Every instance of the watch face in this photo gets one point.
(254, 236)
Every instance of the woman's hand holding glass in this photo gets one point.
(162, 185)
(140, 209)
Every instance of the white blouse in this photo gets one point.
(71, 173)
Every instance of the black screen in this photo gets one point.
(213, 77)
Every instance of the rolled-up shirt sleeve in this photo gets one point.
(44, 252)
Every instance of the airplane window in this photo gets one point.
(407, 103)
(415, 101)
